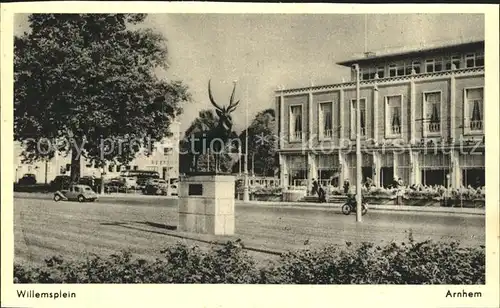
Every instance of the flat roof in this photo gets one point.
(371, 57)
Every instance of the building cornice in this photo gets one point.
(429, 149)
(466, 72)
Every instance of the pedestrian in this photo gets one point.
(399, 192)
(314, 187)
(368, 183)
(395, 183)
(321, 194)
(92, 183)
(346, 186)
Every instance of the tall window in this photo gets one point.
(380, 72)
(325, 120)
(432, 105)
(474, 108)
(455, 60)
(396, 70)
(479, 59)
(393, 115)
(429, 65)
(392, 70)
(400, 70)
(438, 65)
(368, 73)
(416, 66)
(362, 103)
(474, 60)
(296, 123)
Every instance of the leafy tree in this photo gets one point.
(261, 144)
(86, 84)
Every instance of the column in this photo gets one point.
(452, 126)
(310, 118)
(417, 173)
(344, 169)
(311, 169)
(376, 166)
(341, 115)
(283, 171)
(456, 174)
(375, 114)
(395, 164)
(412, 111)
(282, 122)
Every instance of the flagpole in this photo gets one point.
(358, 148)
(246, 196)
(366, 29)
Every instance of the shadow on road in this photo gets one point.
(157, 225)
(215, 241)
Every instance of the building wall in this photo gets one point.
(461, 84)
(156, 161)
(302, 100)
(413, 166)
(324, 97)
(376, 115)
(392, 90)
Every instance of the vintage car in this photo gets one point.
(78, 192)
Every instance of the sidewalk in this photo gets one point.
(377, 207)
(301, 205)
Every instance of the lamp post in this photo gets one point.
(103, 173)
(46, 169)
(253, 165)
(246, 196)
(358, 148)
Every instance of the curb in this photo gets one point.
(301, 205)
(374, 207)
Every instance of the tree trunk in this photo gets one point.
(75, 166)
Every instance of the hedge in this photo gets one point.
(408, 262)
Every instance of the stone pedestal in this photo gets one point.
(206, 204)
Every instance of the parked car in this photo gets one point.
(130, 182)
(77, 192)
(156, 187)
(115, 186)
(173, 190)
(60, 182)
(27, 179)
(92, 181)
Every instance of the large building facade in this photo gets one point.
(164, 159)
(422, 120)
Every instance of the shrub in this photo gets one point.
(408, 262)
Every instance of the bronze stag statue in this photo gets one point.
(214, 141)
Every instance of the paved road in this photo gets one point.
(44, 228)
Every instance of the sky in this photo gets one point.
(264, 51)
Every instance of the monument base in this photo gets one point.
(206, 204)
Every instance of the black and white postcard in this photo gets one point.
(237, 155)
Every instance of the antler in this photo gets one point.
(232, 105)
(212, 98)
